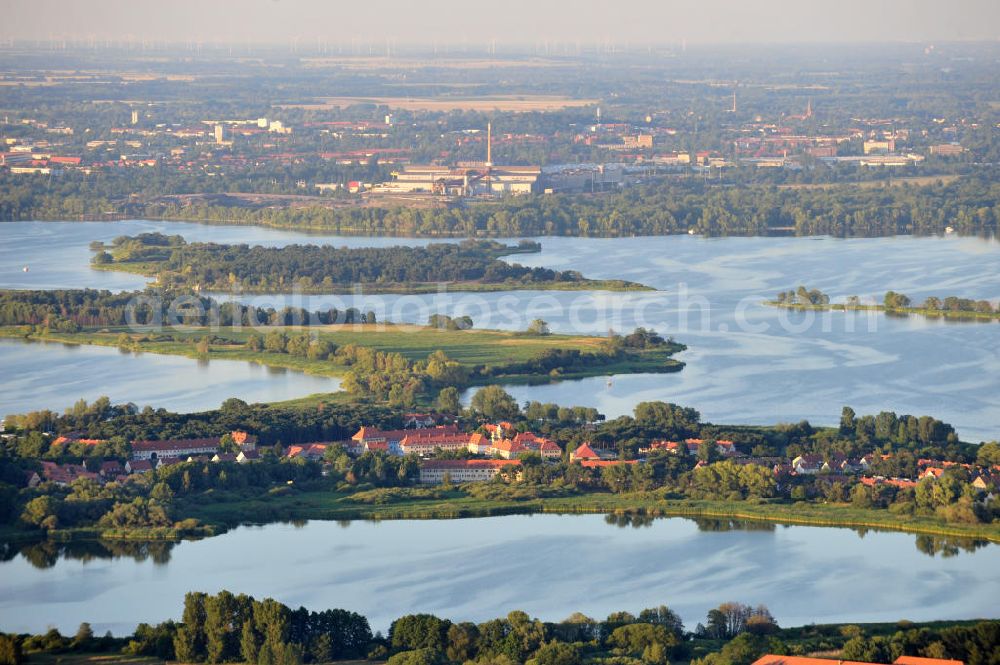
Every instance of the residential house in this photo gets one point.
(32, 479)
(64, 474)
(245, 441)
(309, 451)
(479, 444)
(808, 465)
(138, 466)
(900, 483)
(547, 448)
(224, 457)
(586, 452)
(931, 472)
(464, 471)
(418, 420)
(690, 447)
(247, 456)
(111, 469)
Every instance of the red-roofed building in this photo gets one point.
(464, 471)
(586, 452)
(547, 448)
(309, 451)
(64, 474)
(243, 440)
(111, 469)
(917, 660)
(424, 442)
(372, 438)
(68, 440)
(892, 482)
(479, 444)
(690, 447)
(139, 466)
(771, 659)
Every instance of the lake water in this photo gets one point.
(747, 363)
(547, 565)
(45, 375)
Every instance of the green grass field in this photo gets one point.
(470, 347)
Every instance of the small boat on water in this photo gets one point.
(24, 269)
(949, 229)
(611, 382)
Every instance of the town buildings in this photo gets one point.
(465, 471)
(148, 450)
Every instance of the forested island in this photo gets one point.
(473, 265)
(951, 307)
(228, 627)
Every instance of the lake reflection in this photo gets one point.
(53, 376)
(477, 569)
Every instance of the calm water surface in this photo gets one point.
(44, 375)
(547, 565)
(747, 363)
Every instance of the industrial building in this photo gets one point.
(464, 178)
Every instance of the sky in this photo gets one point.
(568, 22)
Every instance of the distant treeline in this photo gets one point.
(968, 204)
(215, 266)
(68, 310)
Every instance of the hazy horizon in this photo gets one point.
(516, 22)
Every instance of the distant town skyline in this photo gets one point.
(583, 23)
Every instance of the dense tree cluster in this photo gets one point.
(69, 310)
(237, 628)
(675, 206)
(212, 266)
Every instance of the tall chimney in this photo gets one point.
(489, 144)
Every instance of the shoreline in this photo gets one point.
(806, 514)
(650, 362)
(307, 230)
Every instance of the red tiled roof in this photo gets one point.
(306, 450)
(803, 660)
(369, 433)
(916, 660)
(584, 451)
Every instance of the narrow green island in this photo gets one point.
(951, 307)
(404, 364)
(473, 265)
